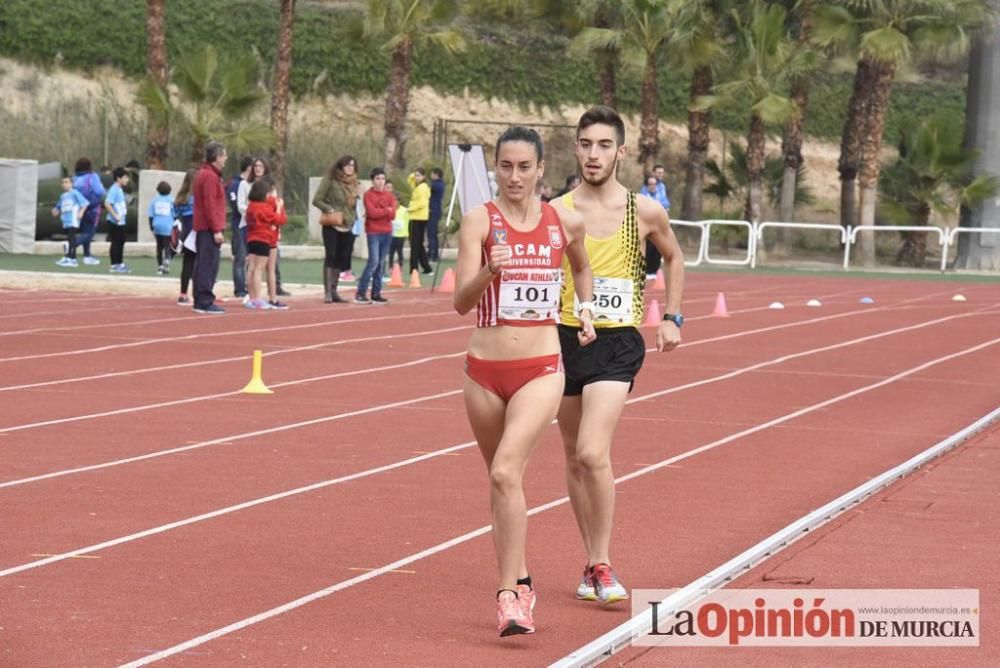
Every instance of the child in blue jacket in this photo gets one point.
(69, 209)
(161, 221)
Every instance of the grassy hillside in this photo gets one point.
(500, 63)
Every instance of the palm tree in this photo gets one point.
(279, 93)
(603, 15)
(642, 36)
(791, 145)
(731, 180)
(158, 128)
(934, 173)
(981, 252)
(215, 101)
(699, 45)
(767, 60)
(887, 34)
(404, 27)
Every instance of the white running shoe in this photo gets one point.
(585, 590)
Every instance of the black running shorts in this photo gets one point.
(259, 248)
(617, 354)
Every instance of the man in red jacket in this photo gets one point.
(209, 222)
(380, 209)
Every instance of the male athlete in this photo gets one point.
(600, 376)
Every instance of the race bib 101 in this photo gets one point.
(530, 294)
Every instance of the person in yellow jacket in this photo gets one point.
(420, 209)
(400, 231)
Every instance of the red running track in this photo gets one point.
(157, 509)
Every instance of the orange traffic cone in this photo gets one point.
(414, 279)
(396, 278)
(653, 315)
(659, 283)
(720, 307)
(447, 281)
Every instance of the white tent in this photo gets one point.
(19, 192)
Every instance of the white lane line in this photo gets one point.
(168, 367)
(680, 388)
(240, 358)
(900, 306)
(227, 440)
(441, 547)
(220, 395)
(259, 501)
(238, 332)
(451, 449)
(64, 312)
(622, 636)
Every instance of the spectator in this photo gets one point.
(400, 230)
(184, 208)
(161, 221)
(572, 181)
(70, 209)
(380, 209)
(437, 198)
(88, 183)
(133, 168)
(265, 214)
(545, 192)
(336, 198)
(420, 197)
(659, 193)
(237, 223)
(209, 222)
(117, 208)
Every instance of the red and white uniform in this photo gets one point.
(526, 293)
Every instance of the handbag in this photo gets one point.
(331, 219)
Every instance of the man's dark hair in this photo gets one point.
(119, 172)
(163, 188)
(659, 166)
(376, 171)
(213, 150)
(520, 133)
(436, 171)
(260, 190)
(601, 115)
(245, 163)
(83, 165)
(133, 164)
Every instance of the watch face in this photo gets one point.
(675, 318)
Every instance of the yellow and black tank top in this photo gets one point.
(619, 268)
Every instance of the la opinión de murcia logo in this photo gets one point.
(831, 618)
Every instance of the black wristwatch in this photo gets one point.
(675, 318)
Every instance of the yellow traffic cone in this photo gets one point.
(256, 384)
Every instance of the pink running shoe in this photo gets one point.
(607, 587)
(526, 597)
(510, 616)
